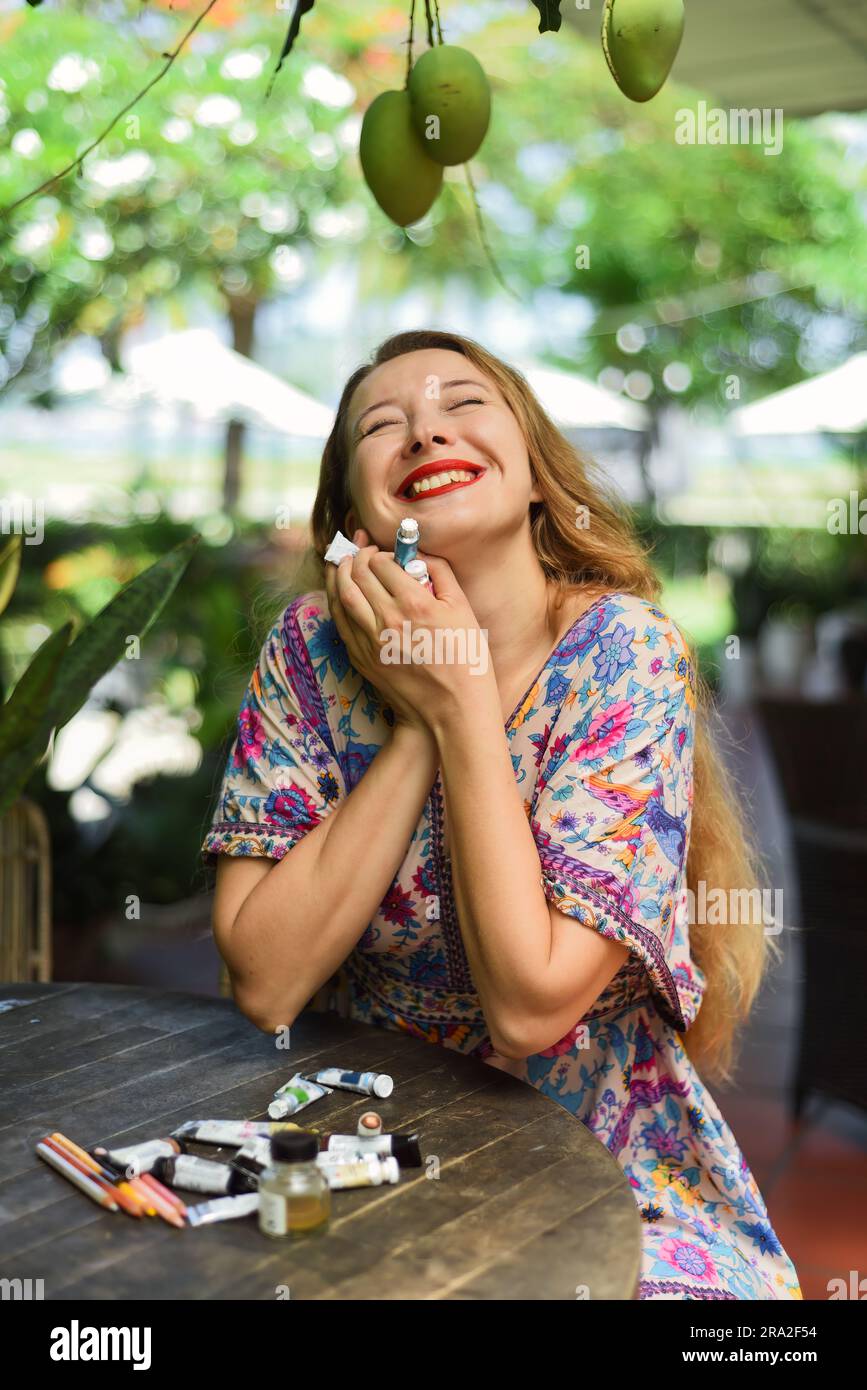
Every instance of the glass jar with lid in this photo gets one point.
(294, 1195)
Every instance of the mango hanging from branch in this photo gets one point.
(396, 167)
(640, 40)
(450, 100)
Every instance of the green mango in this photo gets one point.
(640, 39)
(450, 83)
(396, 167)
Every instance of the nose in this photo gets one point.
(418, 443)
(425, 430)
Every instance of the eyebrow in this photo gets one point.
(459, 381)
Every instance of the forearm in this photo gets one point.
(502, 908)
(302, 920)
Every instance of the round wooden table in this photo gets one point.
(517, 1199)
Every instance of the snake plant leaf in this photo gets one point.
(97, 648)
(549, 15)
(10, 568)
(22, 713)
(640, 40)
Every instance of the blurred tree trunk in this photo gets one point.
(242, 316)
(649, 440)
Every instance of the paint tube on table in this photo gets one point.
(232, 1133)
(403, 1147)
(418, 570)
(202, 1175)
(369, 1125)
(254, 1156)
(295, 1095)
(339, 548)
(223, 1209)
(406, 541)
(366, 1083)
(369, 1170)
(135, 1159)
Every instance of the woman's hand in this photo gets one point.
(423, 654)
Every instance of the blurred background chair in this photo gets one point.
(819, 749)
(25, 894)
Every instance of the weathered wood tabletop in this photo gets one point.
(517, 1199)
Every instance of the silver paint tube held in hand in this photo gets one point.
(406, 541)
(418, 570)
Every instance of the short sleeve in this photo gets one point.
(612, 809)
(282, 776)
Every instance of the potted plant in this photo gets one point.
(52, 689)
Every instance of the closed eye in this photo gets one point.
(468, 401)
(377, 426)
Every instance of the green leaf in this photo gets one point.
(549, 12)
(23, 711)
(10, 568)
(97, 648)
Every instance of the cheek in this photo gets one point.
(367, 479)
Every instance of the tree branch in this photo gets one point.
(55, 178)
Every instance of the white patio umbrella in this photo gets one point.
(220, 384)
(573, 402)
(834, 402)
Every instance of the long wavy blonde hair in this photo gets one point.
(606, 555)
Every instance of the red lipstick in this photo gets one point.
(425, 470)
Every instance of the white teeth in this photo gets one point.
(455, 475)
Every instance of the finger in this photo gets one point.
(356, 604)
(391, 577)
(367, 567)
(335, 607)
(443, 576)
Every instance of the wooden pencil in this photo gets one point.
(164, 1192)
(122, 1193)
(97, 1192)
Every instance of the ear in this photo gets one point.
(536, 494)
(351, 522)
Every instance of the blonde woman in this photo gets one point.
(492, 854)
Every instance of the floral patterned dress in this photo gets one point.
(601, 746)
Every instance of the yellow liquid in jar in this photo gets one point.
(287, 1209)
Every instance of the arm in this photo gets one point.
(284, 929)
(524, 954)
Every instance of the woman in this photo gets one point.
(504, 841)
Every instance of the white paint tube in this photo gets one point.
(223, 1209)
(295, 1095)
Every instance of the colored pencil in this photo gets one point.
(164, 1192)
(155, 1204)
(145, 1194)
(128, 1199)
(97, 1193)
(160, 1206)
(126, 1203)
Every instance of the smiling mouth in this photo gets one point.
(435, 484)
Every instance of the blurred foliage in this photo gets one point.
(206, 187)
(206, 644)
